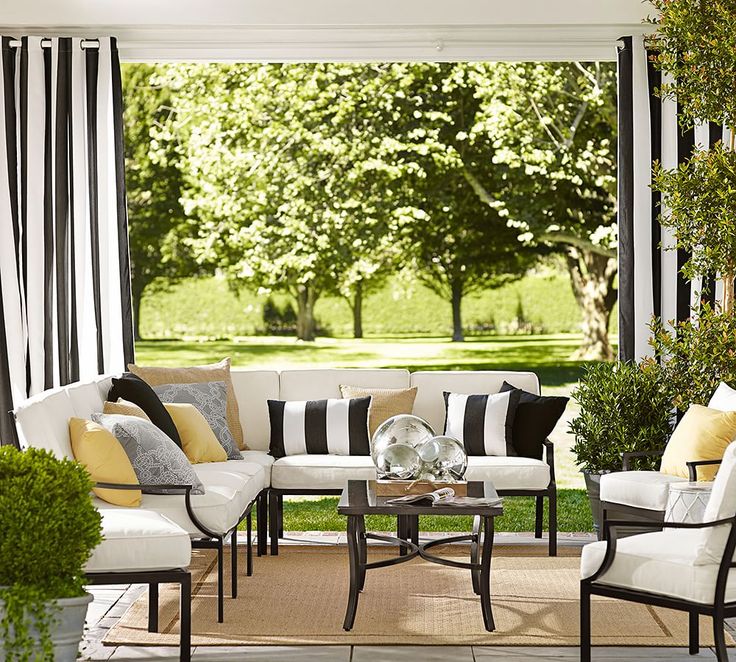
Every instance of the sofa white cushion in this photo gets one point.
(509, 473)
(43, 422)
(228, 491)
(639, 489)
(662, 563)
(325, 383)
(320, 471)
(257, 457)
(431, 385)
(138, 539)
(253, 388)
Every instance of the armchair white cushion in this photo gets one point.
(638, 489)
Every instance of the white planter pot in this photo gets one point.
(66, 628)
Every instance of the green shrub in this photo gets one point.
(623, 407)
(696, 355)
(49, 529)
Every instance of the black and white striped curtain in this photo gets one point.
(650, 282)
(64, 264)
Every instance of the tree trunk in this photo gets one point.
(305, 325)
(457, 316)
(358, 310)
(728, 293)
(592, 276)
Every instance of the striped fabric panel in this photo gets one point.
(482, 422)
(650, 281)
(319, 427)
(64, 259)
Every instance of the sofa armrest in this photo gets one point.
(692, 467)
(549, 456)
(169, 489)
(627, 456)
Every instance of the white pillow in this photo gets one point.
(724, 399)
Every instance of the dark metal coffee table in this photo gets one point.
(359, 500)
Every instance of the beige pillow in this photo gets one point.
(215, 372)
(701, 434)
(124, 408)
(386, 402)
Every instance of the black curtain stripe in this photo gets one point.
(626, 201)
(685, 144)
(122, 208)
(48, 233)
(358, 426)
(61, 204)
(654, 78)
(23, 105)
(315, 426)
(9, 74)
(473, 434)
(92, 68)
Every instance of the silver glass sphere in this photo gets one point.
(402, 429)
(398, 462)
(443, 459)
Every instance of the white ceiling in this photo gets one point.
(338, 29)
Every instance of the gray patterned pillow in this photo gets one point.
(210, 398)
(156, 459)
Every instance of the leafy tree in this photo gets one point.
(158, 227)
(554, 127)
(282, 173)
(457, 242)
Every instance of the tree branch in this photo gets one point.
(577, 242)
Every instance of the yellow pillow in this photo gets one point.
(124, 408)
(105, 460)
(385, 402)
(702, 434)
(198, 441)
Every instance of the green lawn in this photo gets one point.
(321, 515)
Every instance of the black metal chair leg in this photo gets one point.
(539, 516)
(719, 637)
(153, 607)
(220, 582)
(273, 522)
(552, 528)
(281, 515)
(694, 647)
(249, 545)
(584, 623)
(185, 618)
(262, 533)
(234, 562)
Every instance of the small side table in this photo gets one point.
(687, 501)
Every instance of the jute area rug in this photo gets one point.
(299, 598)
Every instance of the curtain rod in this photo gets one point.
(46, 43)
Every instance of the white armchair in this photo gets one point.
(688, 567)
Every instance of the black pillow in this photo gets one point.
(132, 388)
(536, 417)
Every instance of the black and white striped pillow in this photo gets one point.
(482, 423)
(334, 426)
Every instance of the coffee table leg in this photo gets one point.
(354, 554)
(485, 574)
(402, 532)
(475, 552)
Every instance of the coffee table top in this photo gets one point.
(359, 499)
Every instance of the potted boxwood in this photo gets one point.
(49, 529)
(624, 407)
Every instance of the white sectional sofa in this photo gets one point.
(158, 536)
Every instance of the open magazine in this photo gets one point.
(445, 496)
